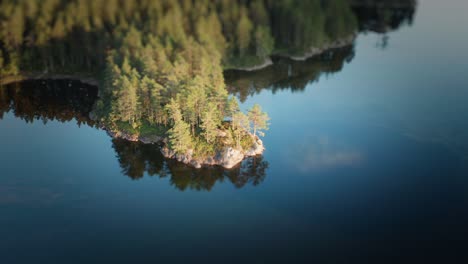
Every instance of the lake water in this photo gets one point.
(367, 160)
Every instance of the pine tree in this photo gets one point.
(239, 125)
(209, 123)
(258, 119)
(264, 42)
(232, 106)
(179, 135)
(127, 101)
(244, 32)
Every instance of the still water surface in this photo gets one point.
(367, 158)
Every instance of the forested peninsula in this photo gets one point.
(159, 64)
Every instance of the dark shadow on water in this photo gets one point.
(286, 74)
(383, 16)
(42, 100)
(137, 160)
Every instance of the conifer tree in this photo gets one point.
(209, 123)
(258, 119)
(179, 135)
(239, 125)
(232, 106)
(244, 29)
(126, 102)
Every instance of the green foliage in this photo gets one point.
(246, 141)
(209, 123)
(244, 32)
(239, 126)
(179, 135)
(258, 119)
(203, 149)
(162, 61)
(264, 42)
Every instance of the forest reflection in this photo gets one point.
(383, 16)
(286, 74)
(49, 100)
(379, 16)
(137, 159)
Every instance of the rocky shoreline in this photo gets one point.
(315, 51)
(228, 157)
(312, 52)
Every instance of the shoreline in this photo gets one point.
(227, 158)
(310, 53)
(90, 80)
(267, 62)
(314, 51)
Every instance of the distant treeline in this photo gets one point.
(79, 34)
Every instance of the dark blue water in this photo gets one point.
(366, 161)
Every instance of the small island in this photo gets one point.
(211, 140)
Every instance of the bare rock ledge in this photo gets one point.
(228, 158)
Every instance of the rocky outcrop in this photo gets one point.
(228, 157)
(256, 149)
(119, 134)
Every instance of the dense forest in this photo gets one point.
(160, 63)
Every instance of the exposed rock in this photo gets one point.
(123, 135)
(230, 157)
(195, 164)
(150, 139)
(168, 153)
(256, 149)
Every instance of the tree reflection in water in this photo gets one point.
(137, 159)
(379, 16)
(41, 100)
(286, 74)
